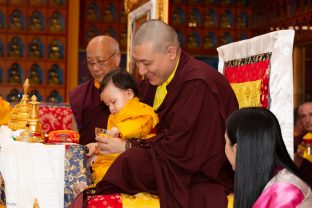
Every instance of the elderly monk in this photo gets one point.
(185, 162)
(304, 165)
(103, 55)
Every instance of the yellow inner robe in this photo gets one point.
(135, 120)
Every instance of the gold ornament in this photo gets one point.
(36, 203)
(25, 116)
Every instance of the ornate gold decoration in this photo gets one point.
(131, 5)
(25, 116)
(20, 113)
(139, 10)
(162, 10)
(36, 203)
(35, 125)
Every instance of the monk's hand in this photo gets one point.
(92, 149)
(110, 145)
(114, 132)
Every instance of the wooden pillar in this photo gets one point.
(72, 46)
(299, 75)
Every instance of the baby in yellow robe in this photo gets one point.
(129, 118)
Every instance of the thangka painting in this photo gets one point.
(249, 78)
(260, 71)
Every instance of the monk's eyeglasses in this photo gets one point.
(100, 63)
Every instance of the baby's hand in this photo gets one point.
(114, 132)
(93, 148)
(90, 160)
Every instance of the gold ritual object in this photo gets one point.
(25, 115)
(36, 203)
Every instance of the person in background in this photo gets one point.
(185, 162)
(103, 55)
(265, 175)
(303, 155)
(129, 118)
(305, 113)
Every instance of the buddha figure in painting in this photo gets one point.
(36, 22)
(15, 48)
(208, 21)
(108, 15)
(13, 96)
(91, 11)
(57, 2)
(55, 51)
(14, 74)
(16, 21)
(53, 97)
(35, 49)
(208, 42)
(34, 74)
(55, 22)
(192, 42)
(53, 75)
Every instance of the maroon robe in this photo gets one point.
(89, 110)
(185, 162)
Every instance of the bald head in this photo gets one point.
(304, 105)
(103, 55)
(158, 33)
(305, 113)
(104, 42)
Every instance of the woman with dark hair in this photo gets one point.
(265, 175)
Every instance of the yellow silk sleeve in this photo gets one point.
(230, 198)
(140, 200)
(135, 128)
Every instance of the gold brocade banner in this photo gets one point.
(247, 93)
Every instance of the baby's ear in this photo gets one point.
(130, 93)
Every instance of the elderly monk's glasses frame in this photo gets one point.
(100, 63)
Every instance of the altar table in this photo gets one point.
(76, 175)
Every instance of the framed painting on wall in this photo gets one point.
(146, 10)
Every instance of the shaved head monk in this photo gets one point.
(185, 162)
(103, 55)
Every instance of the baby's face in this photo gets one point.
(115, 98)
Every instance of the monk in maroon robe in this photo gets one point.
(304, 165)
(185, 162)
(103, 55)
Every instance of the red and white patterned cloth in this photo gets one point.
(55, 117)
(112, 200)
(260, 71)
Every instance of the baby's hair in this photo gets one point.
(121, 79)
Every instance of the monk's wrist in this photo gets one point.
(136, 143)
(128, 144)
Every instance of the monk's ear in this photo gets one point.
(172, 52)
(117, 59)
